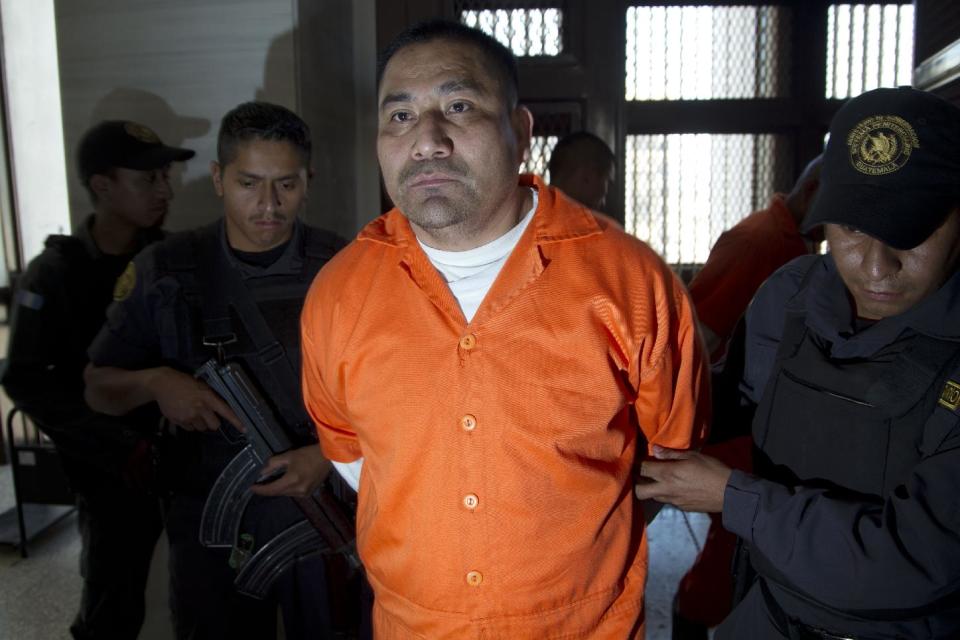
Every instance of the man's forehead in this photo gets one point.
(267, 156)
(437, 63)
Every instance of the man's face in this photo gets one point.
(141, 198)
(264, 188)
(449, 145)
(884, 281)
(599, 183)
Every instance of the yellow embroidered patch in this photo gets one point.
(950, 396)
(125, 283)
(881, 145)
(142, 133)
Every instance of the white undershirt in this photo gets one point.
(469, 274)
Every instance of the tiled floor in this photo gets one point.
(39, 594)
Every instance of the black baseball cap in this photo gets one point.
(892, 166)
(124, 144)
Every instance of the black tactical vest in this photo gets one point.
(857, 425)
(210, 319)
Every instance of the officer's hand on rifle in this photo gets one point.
(301, 471)
(190, 403)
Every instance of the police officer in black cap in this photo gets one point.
(232, 290)
(59, 306)
(852, 374)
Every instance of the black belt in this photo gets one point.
(791, 627)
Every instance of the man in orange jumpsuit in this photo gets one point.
(500, 360)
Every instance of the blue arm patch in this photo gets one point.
(30, 300)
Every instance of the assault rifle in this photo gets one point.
(327, 528)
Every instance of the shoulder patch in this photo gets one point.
(950, 396)
(29, 299)
(125, 283)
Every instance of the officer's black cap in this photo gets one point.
(127, 145)
(892, 166)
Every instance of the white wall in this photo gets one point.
(177, 66)
(35, 136)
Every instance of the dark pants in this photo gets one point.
(119, 529)
(749, 619)
(206, 606)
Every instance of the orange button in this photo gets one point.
(468, 422)
(474, 578)
(468, 342)
(470, 501)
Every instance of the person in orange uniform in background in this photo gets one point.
(747, 254)
(742, 258)
(498, 361)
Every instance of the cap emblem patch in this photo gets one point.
(881, 144)
(141, 133)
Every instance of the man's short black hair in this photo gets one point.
(502, 61)
(261, 121)
(579, 149)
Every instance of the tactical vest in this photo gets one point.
(88, 288)
(216, 319)
(860, 425)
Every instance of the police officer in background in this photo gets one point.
(853, 372)
(59, 306)
(232, 289)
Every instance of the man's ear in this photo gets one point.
(217, 175)
(100, 185)
(522, 122)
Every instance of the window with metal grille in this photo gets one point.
(541, 148)
(552, 120)
(706, 52)
(684, 190)
(868, 46)
(528, 31)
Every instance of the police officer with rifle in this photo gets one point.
(231, 292)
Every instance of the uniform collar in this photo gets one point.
(84, 232)
(290, 261)
(557, 219)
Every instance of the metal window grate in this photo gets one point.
(551, 121)
(683, 190)
(868, 46)
(526, 31)
(704, 52)
(541, 147)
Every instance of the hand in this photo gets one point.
(305, 469)
(190, 403)
(688, 480)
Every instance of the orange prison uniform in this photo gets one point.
(496, 499)
(742, 258)
(739, 262)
